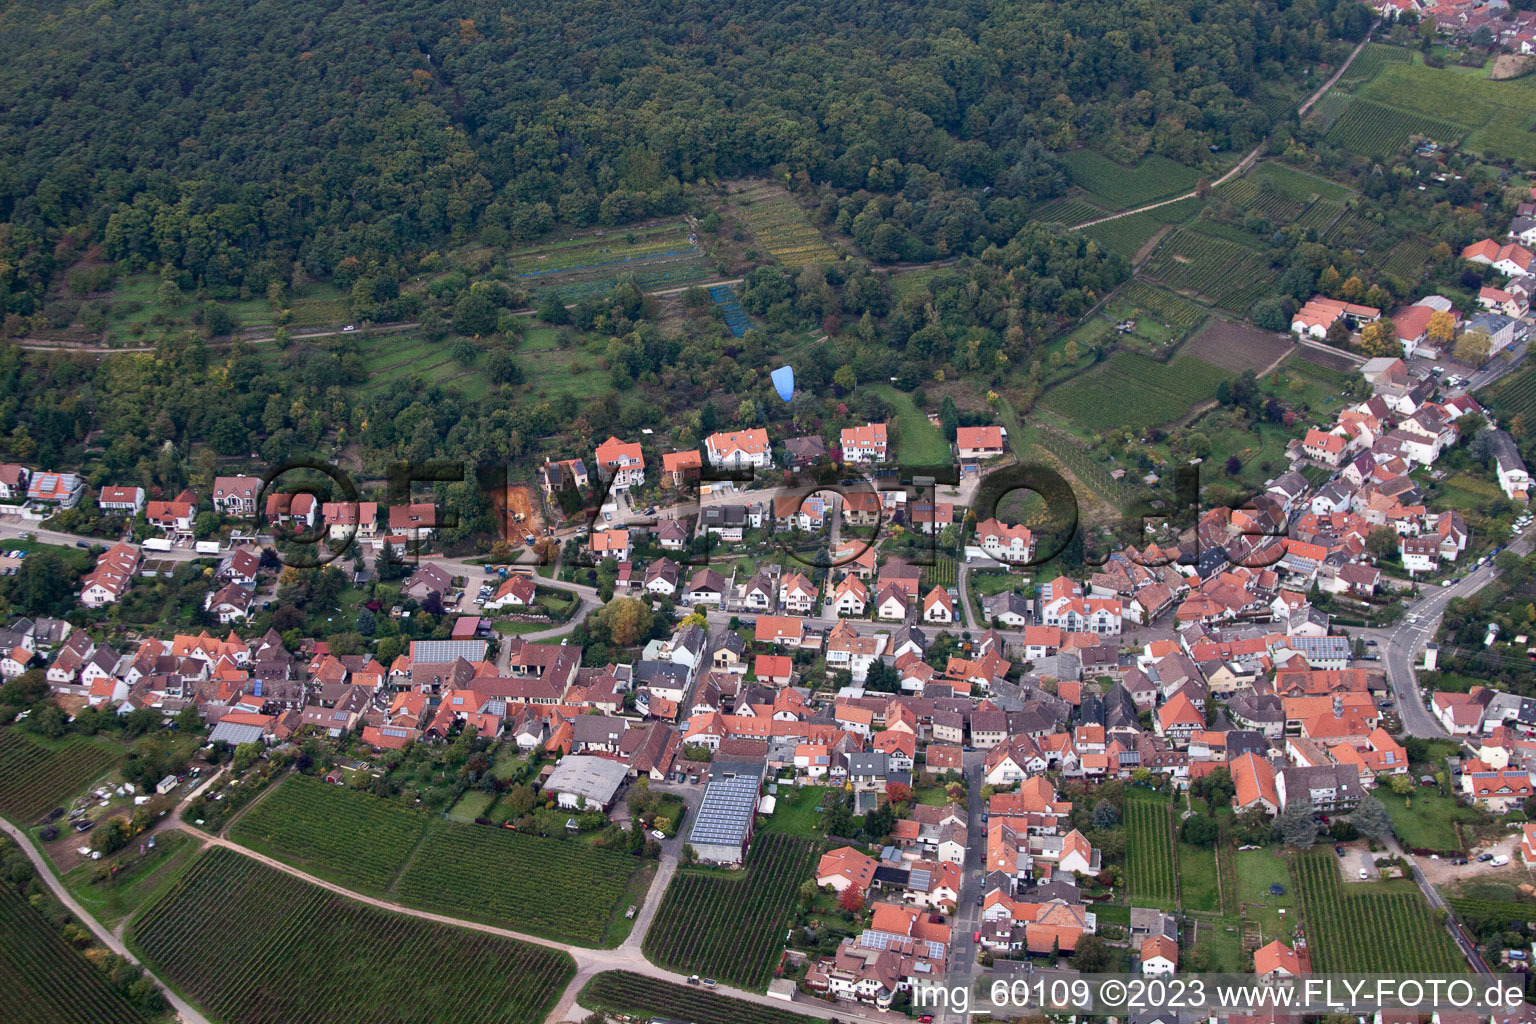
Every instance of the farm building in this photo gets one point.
(723, 826)
(580, 777)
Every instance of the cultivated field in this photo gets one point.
(34, 779)
(1067, 210)
(333, 832)
(1150, 865)
(1119, 188)
(565, 889)
(1515, 394)
(731, 928)
(45, 980)
(255, 946)
(1381, 927)
(1500, 113)
(1236, 347)
(780, 225)
(1219, 270)
(1373, 129)
(618, 992)
(1175, 311)
(1134, 391)
(660, 255)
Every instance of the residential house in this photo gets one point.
(739, 449)
(129, 500)
(974, 443)
(867, 444)
(236, 495)
(622, 461)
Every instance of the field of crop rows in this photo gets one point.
(780, 226)
(1373, 129)
(1134, 391)
(618, 992)
(1251, 194)
(1221, 271)
(34, 780)
(1320, 215)
(1125, 235)
(1406, 259)
(1354, 231)
(333, 831)
(660, 256)
(1369, 931)
(1515, 394)
(1171, 309)
(44, 980)
(1088, 469)
(1502, 911)
(1150, 868)
(1121, 188)
(735, 317)
(1068, 211)
(255, 946)
(565, 889)
(732, 929)
(1372, 59)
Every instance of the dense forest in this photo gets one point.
(244, 143)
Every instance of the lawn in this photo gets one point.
(1426, 820)
(250, 944)
(794, 812)
(918, 442)
(473, 804)
(1257, 870)
(1197, 878)
(138, 880)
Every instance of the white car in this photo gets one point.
(658, 833)
(1364, 874)
(349, 328)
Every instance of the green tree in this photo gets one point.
(1296, 826)
(1371, 818)
(1198, 830)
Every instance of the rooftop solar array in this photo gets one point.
(725, 814)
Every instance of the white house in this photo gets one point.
(738, 449)
(121, 499)
(866, 444)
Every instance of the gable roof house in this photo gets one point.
(236, 495)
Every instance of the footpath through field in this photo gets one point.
(1247, 161)
(184, 1010)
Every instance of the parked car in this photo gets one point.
(1499, 861)
(1338, 849)
(710, 983)
(1484, 858)
(1364, 874)
(693, 979)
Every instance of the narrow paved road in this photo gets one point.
(1246, 162)
(1400, 646)
(184, 1009)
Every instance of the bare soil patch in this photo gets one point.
(1510, 65)
(1237, 347)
